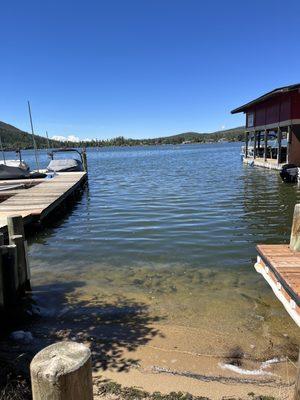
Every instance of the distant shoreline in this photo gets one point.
(14, 139)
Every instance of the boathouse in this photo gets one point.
(273, 128)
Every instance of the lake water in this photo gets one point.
(164, 237)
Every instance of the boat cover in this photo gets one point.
(7, 172)
(16, 163)
(65, 165)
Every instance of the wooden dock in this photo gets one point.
(280, 266)
(260, 162)
(41, 198)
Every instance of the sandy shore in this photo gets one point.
(165, 366)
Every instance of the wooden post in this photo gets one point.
(258, 142)
(16, 235)
(297, 383)
(265, 145)
(254, 145)
(8, 256)
(289, 139)
(18, 241)
(246, 144)
(84, 160)
(279, 136)
(15, 225)
(62, 371)
(295, 233)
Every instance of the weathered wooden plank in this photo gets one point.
(285, 266)
(42, 198)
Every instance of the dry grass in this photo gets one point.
(13, 384)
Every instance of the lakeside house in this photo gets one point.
(273, 128)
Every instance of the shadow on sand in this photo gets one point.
(111, 329)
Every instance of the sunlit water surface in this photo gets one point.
(174, 228)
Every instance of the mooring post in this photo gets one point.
(15, 225)
(8, 255)
(62, 371)
(295, 233)
(18, 241)
(84, 160)
(297, 384)
(16, 234)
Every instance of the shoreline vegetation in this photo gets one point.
(14, 139)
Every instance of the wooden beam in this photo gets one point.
(265, 145)
(254, 144)
(246, 144)
(279, 137)
(289, 139)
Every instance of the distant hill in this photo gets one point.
(13, 138)
(229, 135)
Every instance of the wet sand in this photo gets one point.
(168, 329)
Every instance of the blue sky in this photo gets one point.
(142, 68)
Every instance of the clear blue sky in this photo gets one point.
(142, 68)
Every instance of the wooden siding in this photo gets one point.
(281, 108)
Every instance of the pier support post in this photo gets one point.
(9, 275)
(297, 384)
(254, 144)
(62, 371)
(246, 144)
(295, 233)
(15, 225)
(265, 145)
(289, 138)
(16, 235)
(279, 136)
(18, 241)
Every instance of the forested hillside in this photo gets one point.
(14, 138)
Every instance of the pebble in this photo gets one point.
(22, 336)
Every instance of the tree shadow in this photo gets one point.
(111, 329)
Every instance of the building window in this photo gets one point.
(250, 120)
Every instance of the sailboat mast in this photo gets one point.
(48, 143)
(3, 155)
(33, 139)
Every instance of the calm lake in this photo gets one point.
(169, 231)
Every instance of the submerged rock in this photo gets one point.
(22, 336)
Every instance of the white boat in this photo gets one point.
(65, 164)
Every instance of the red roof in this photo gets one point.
(266, 96)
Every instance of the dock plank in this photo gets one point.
(285, 264)
(41, 198)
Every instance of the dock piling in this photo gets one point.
(16, 235)
(18, 241)
(62, 371)
(15, 225)
(8, 255)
